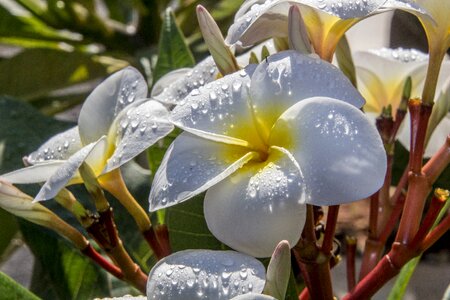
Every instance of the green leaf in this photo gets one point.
(173, 51)
(35, 72)
(12, 290)
(23, 130)
(187, 227)
(72, 276)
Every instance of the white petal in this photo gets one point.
(190, 166)
(205, 274)
(253, 296)
(437, 138)
(167, 80)
(269, 19)
(107, 100)
(262, 21)
(136, 129)
(339, 151)
(220, 110)
(258, 206)
(58, 147)
(90, 153)
(390, 67)
(203, 73)
(290, 77)
(38, 173)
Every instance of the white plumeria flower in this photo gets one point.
(205, 274)
(381, 76)
(326, 20)
(116, 123)
(266, 140)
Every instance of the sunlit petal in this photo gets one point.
(334, 145)
(258, 206)
(288, 78)
(220, 111)
(58, 147)
(204, 72)
(381, 74)
(33, 174)
(205, 274)
(91, 153)
(107, 100)
(192, 165)
(136, 129)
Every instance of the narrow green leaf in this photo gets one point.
(21, 26)
(399, 288)
(36, 72)
(173, 51)
(12, 290)
(187, 227)
(345, 61)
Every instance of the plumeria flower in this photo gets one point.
(381, 76)
(116, 123)
(263, 142)
(205, 274)
(326, 20)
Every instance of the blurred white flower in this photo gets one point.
(381, 76)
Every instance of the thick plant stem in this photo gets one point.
(90, 252)
(114, 184)
(313, 262)
(436, 233)
(105, 233)
(372, 253)
(330, 228)
(419, 185)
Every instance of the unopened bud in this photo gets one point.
(21, 205)
(94, 188)
(279, 271)
(220, 51)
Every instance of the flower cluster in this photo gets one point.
(265, 138)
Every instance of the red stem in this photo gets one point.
(152, 240)
(373, 215)
(436, 234)
(332, 216)
(350, 262)
(390, 225)
(90, 252)
(162, 235)
(433, 211)
(304, 295)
